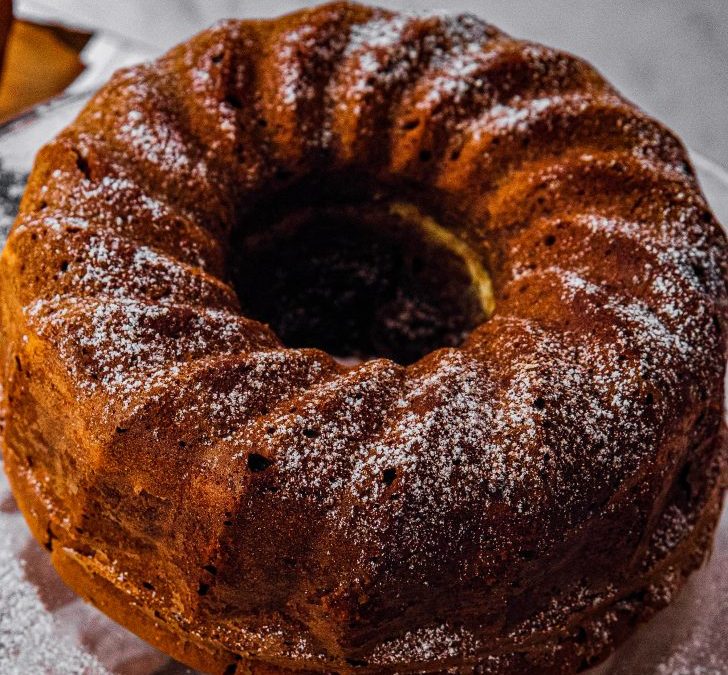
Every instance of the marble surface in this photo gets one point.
(669, 56)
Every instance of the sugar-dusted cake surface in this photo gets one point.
(513, 502)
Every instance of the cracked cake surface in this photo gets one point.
(523, 459)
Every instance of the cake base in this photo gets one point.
(601, 628)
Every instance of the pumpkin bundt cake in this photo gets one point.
(355, 341)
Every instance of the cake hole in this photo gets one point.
(649, 398)
(257, 463)
(211, 569)
(234, 101)
(357, 663)
(425, 155)
(636, 597)
(686, 168)
(585, 664)
(147, 585)
(82, 165)
(411, 124)
(217, 58)
(283, 174)
(683, 481)
(359, 276)
(539, 403)
(549, 240)
(230, 669)
(50, 538)
(203, 589)
(310, 433)
(389, 476)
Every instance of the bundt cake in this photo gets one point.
(355, 341)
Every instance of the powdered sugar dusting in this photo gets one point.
(518, 115)
(157, 144)
(292, 76)
(29, 636)
(385, 52)
(126, 346)
(427, 644)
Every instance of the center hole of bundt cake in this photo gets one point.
(370, 278)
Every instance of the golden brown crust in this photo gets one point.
(515, 504)
(598, 631)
